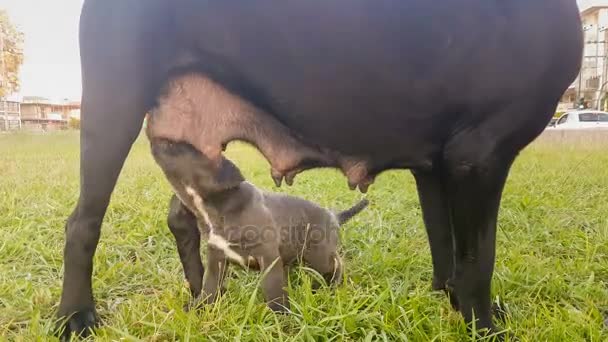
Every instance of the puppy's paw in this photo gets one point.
(279, 308)
(192, 305)
(195, 305)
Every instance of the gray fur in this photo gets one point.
(257, 228)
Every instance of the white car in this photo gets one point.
(582, 119)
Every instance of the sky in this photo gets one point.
(51, 66)
(52, 61)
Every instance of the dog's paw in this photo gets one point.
(500, 310)
(439, 284)
(451, 293)
(498, 334)
(81, 323)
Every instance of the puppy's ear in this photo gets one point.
(228, 174)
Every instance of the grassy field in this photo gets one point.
(551, 270)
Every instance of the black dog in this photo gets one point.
(452, 90)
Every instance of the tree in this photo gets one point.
(74, 123)
(11, 55)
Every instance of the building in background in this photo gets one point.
(10, 114)
(591, 84)
(39, 113)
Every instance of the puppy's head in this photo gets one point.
(227, 176)
(183, 164)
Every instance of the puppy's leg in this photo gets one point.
(328, 264)
(183, 226)
(274, 281)
(338, 271)
(217, 266)
(320, 253)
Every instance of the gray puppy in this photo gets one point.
(246, 226)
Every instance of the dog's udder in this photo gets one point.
(203, 113)
(195, 110)
(357, 173)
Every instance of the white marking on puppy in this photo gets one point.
(198, 204)
(223, 245)
(215, 239)
(179, 197)
(338, 265)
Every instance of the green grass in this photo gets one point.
(551, 269)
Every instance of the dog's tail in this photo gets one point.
(347, 214)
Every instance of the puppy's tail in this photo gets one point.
(346, 215)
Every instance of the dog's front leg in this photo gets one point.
(215, 274)
(183, 225)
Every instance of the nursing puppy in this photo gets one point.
(249, 227)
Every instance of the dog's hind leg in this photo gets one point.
(275, 281)
(183, 226)
(329, 265)
(475, 166)
(436, 216)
